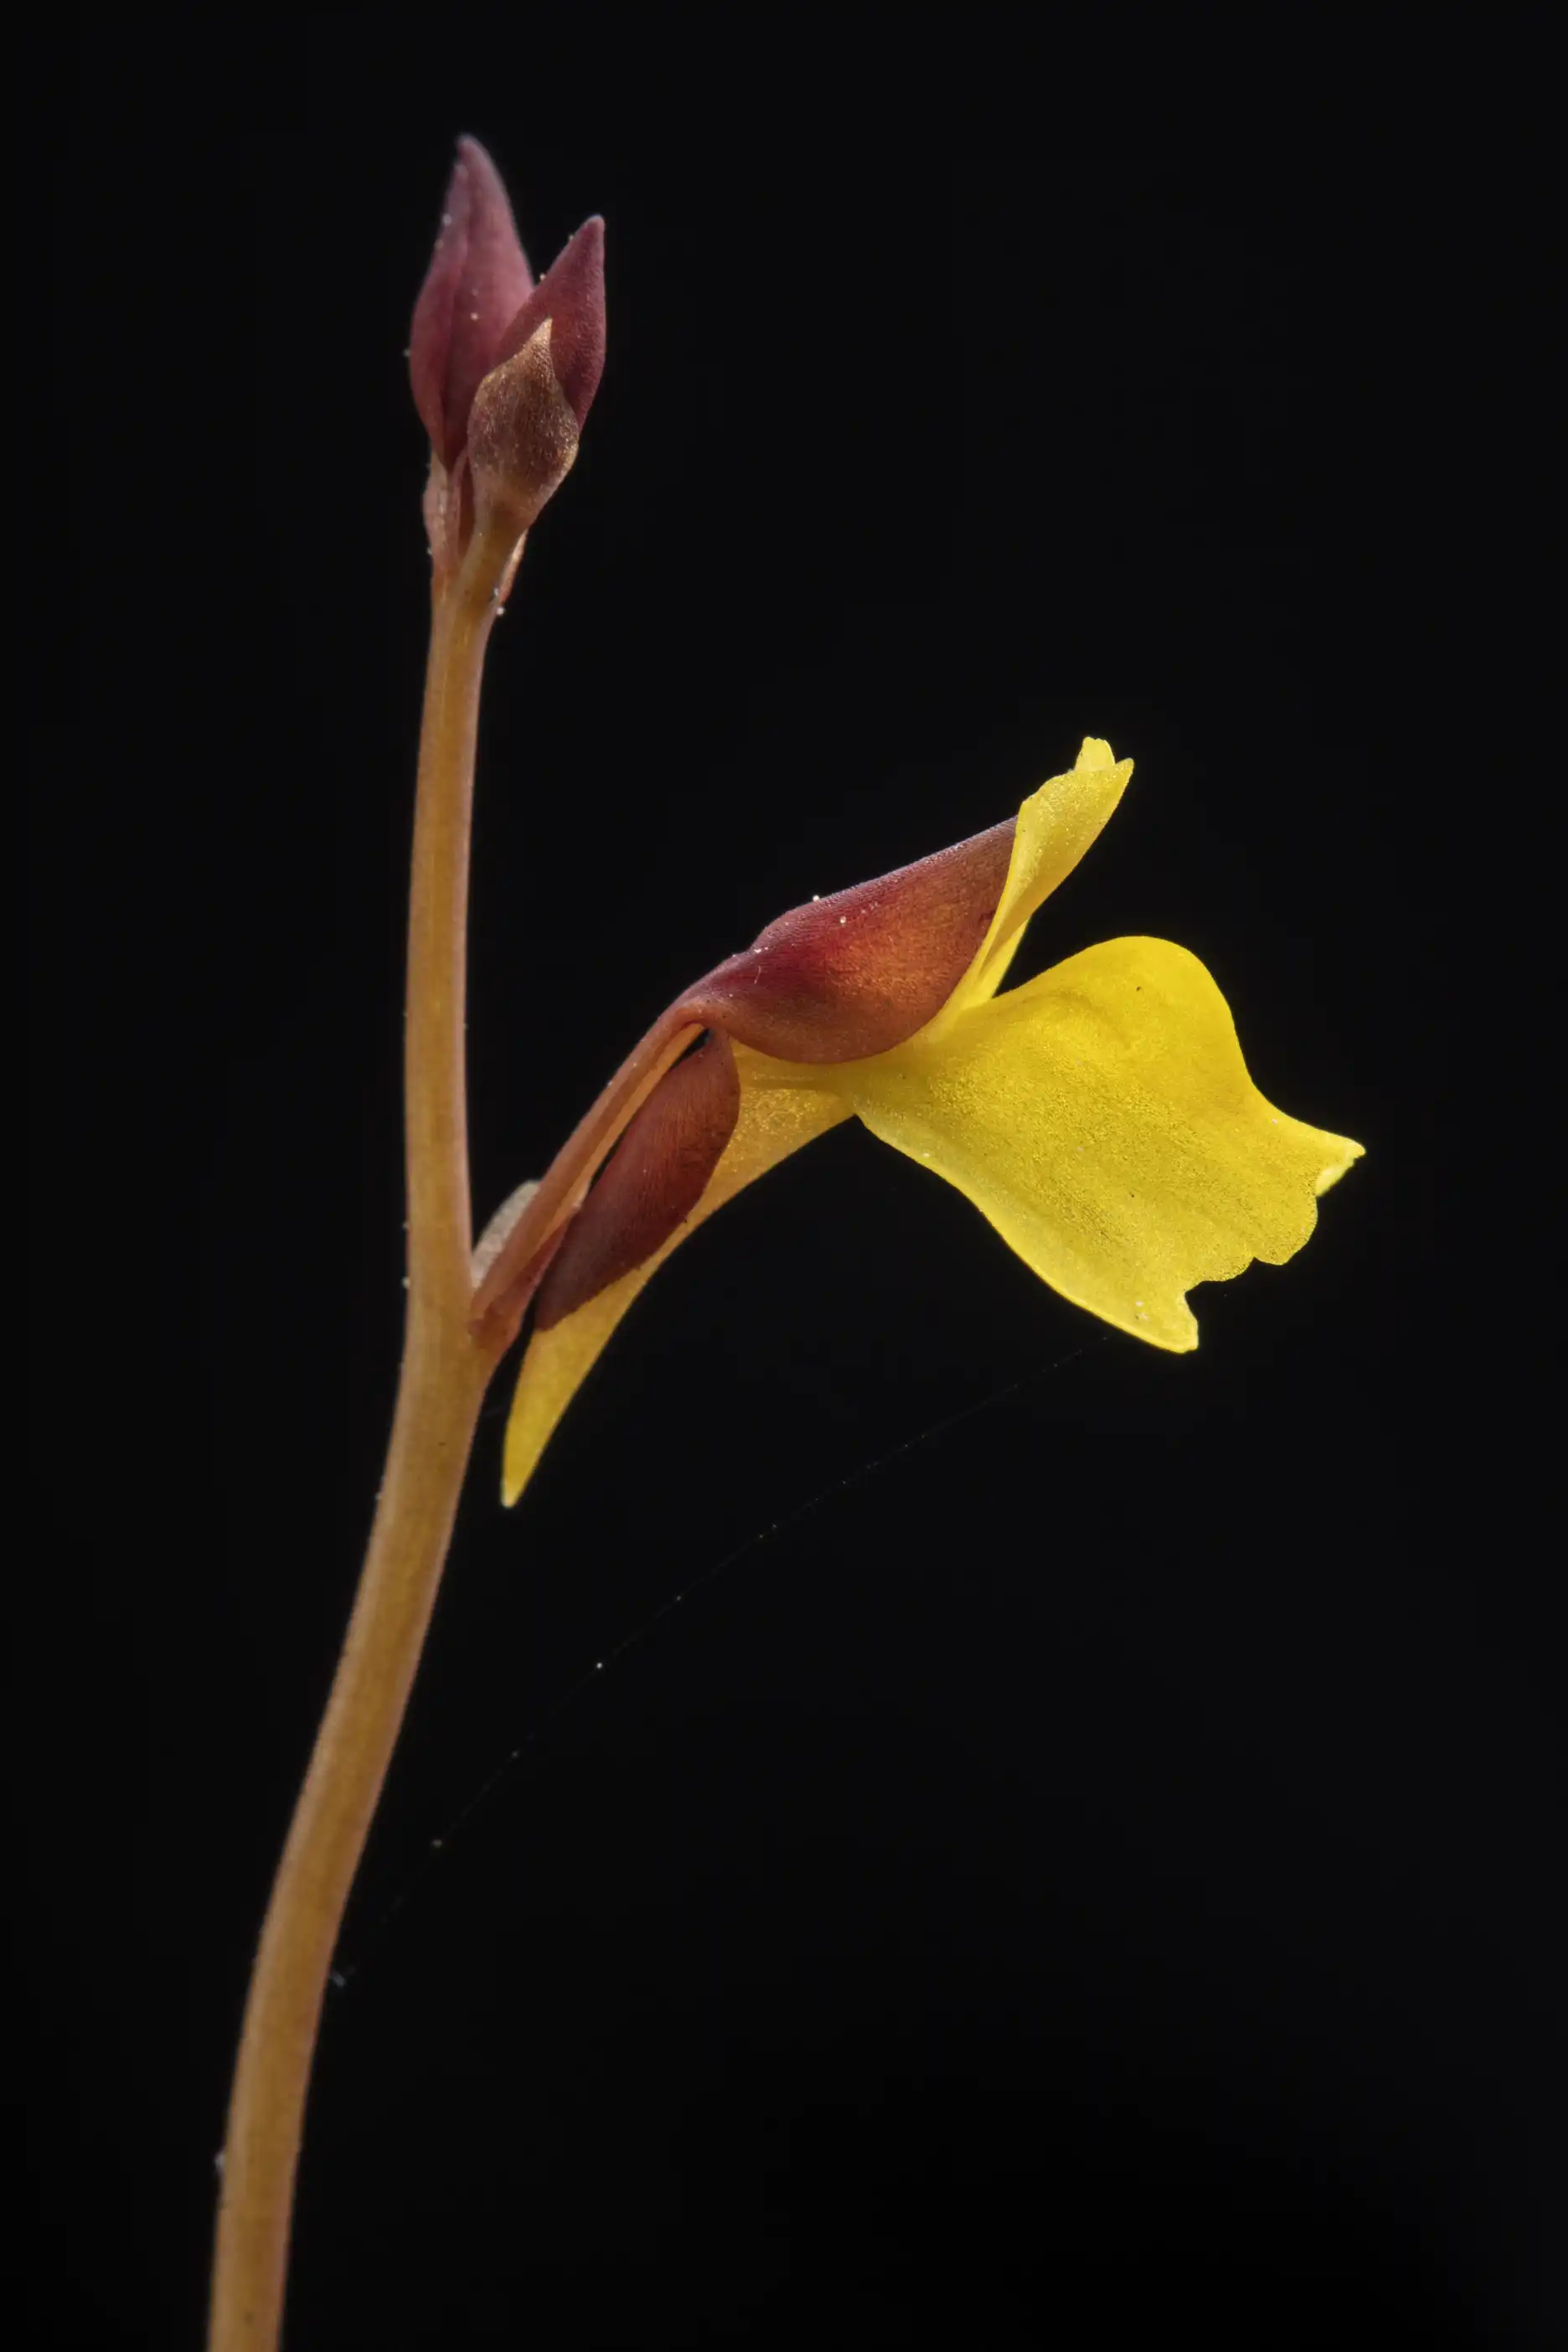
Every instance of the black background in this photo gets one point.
(1083, 1874)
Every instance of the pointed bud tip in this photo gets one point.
(570, 295)
(473, 153)
(478, 279)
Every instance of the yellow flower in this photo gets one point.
(1100, 1116)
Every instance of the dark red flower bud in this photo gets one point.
(478, 282)
(653, 1182)
(858, 972)
(524, 424)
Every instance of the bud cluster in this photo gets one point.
(503, 370)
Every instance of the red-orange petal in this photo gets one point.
(653, 1182)
(859, 973)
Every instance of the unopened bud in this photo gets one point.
(570, 295)
(526, 417)
(478, 283)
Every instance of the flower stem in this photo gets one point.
(445, 1370)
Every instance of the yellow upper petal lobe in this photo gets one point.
(1103, 1118)
(1056, 826)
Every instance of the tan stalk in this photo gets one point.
(445, 1370)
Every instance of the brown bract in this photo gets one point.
(522, 436)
